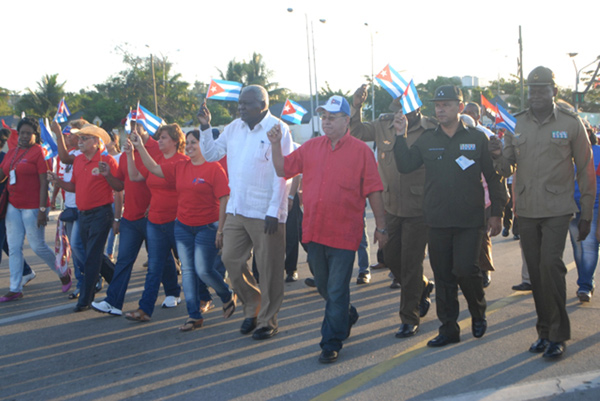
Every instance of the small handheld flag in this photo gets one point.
(63, 113)
(505, 119)
(489, 107)
(128, 122)
(224, 90)
(293, 112)
(147, 119)
(391, 81)
(102, 148)
(49, 147)
(410, 99)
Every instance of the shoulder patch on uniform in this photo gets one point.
(568, 112)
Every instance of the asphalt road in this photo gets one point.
(49, 353)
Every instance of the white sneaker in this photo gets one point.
(171, 302)
(105, 307)
(27, 278)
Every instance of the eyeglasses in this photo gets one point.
(330, 117)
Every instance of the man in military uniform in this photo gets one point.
(454, 156)
(403, 203)
(547, 140)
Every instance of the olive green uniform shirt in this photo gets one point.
(402, 193)
(454, 194)
(543, 155)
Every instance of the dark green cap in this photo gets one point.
(541, 76)
(448, 92)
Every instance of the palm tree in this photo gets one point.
(45, 99)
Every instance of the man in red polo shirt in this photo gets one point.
(338, 173)
(94, 198)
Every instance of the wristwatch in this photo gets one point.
(42, 208)
(381, 230)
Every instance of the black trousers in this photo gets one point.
(454, 256)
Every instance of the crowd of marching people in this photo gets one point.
(204, 204)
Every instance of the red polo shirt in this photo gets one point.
(91, 188)
(335, 184)
(163, 204)
(198, 190)
(28, 165)
(137, 195)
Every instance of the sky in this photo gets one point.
(421, 39)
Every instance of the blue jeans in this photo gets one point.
(133, 235)
(26, 268)
(585, 253)
(110, 241)
(363, 250)
(197, 252)
(94, 226)
(21, 222)
(332, 269)
(77, 250)
(161, 266)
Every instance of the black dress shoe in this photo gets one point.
(248, 325)
(425, 302)
(505, 232)
(539, 346)
(353, 318)
(554, 350)
(264, 333)
(81, 308)
(407, 330)
(478, 327)
(363, 278)
(442, 340)
(522, 287)
(291, 277)
(310, 282)
(487, 279)
(328, 356)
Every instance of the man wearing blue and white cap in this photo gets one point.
(338, 173)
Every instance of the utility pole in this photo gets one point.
(521, 69)
(154, 84)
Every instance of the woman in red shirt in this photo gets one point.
(202, 193)
(25, 168)
(161, 223)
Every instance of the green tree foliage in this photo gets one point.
(6, 108)
(44, 100)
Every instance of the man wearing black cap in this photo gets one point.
(454, 156)
(546, 141)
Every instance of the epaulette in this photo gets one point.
(521, 112)
(386, 117)
(568, 112)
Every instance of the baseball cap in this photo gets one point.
(335, 104)
(448, 92)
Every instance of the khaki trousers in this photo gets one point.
(261, 300)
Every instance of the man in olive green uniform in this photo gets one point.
(547, 140)
(454, 156)
(403, 202)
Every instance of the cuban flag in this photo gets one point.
(102, 148)
(505, 120)
(147, 119)
(128, 122)
(293, 112)
(224, 90)
(49, 147)
(392, 82)
(410, 99)
(63, 113)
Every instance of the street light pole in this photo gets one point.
(153, 82)
(577, 74)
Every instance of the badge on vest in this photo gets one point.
(467, 146)
(560, 135)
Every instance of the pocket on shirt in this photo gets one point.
(560, 147)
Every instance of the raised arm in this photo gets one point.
(148, 161)
(63, 153)
(274, 136)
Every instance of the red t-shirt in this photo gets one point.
(335, 184)
(91, 188)
(198, 190)
(136, 193)
(163, 204)
(28, 165)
